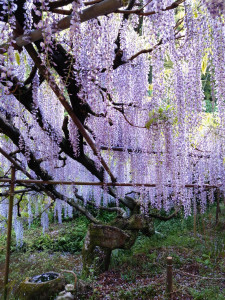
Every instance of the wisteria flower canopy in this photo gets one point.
(114, 92)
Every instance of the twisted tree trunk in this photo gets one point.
(102, 239)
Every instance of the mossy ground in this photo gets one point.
(139, 273)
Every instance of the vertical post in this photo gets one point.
(169, 283)
(9, 230)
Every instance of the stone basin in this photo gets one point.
(41, 287)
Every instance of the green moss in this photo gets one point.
(39, 291)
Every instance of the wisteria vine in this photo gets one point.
(136, 85)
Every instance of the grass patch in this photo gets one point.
(138, 273)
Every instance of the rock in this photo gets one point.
(66, 296)
(69, 288)
(62, 293)
(28, 290)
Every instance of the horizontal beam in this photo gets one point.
(34, 181)
(138, 150)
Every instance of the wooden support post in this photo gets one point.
(169, 279)
(9, 231)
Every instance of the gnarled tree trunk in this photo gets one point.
(102, 239)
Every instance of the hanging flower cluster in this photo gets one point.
(215, 7)
(138, 82)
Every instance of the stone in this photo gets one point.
(66, 296)
(29, 290)
(69, 288)
(62, 293)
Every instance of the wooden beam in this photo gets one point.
(86, 183)
(18, 167)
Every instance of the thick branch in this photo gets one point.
(49, 78)
(119, 210)
(34, 165)
(98, 9)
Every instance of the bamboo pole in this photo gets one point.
(62, 182)
(169, 280)
(18, 167)
(9, 231)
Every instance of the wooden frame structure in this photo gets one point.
(13, 181)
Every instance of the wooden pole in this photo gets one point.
(63, 182)
(18, 167)
(169, 281)
(9, 231)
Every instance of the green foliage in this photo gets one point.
(23, 265)
(68, 237)
(209, 105)
(204, 63)
(206, 294)
(203, 253)
(106, 216)
(17, 57)
(146, 260)
(158, 115)
(142, 292)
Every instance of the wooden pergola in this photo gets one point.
(15, 166)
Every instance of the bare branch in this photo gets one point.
(16, 192)
(139, 12)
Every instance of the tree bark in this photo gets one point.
(102, 8)
(101, 240)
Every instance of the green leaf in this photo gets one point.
(17, 57)
(151, 113)
(2, 173)
(204, 63)
(149, 123)
(24, 214)
(160, 110)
